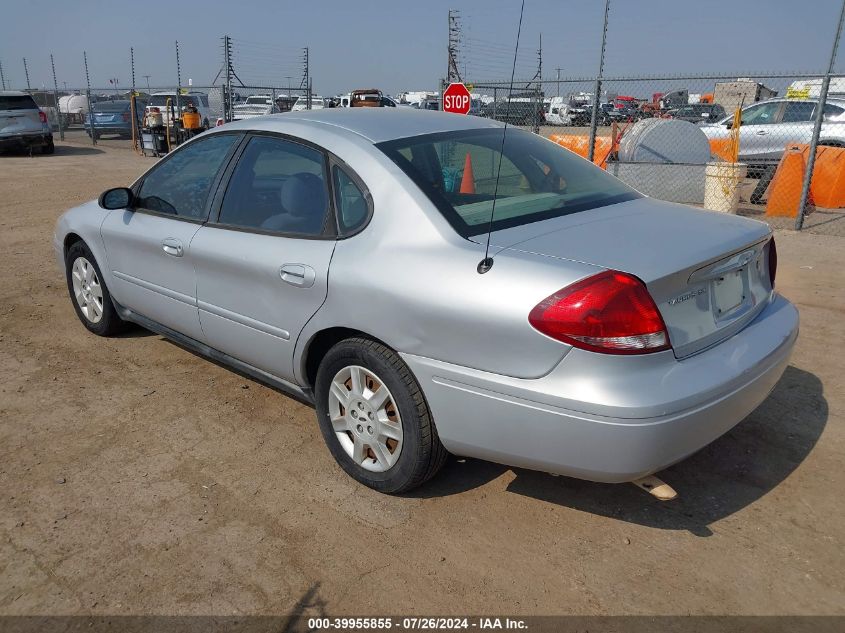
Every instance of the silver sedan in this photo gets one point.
(340, 255)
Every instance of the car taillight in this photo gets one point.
(42, 116)
(773, 261)
(610, 312)
(155, 110)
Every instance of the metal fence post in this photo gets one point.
(811, 159)
(594, 119)
(88, 99)
(56, 97)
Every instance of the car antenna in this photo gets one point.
(487, 263)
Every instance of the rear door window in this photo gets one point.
(278, 186)
(798, 111)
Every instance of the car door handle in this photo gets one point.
(298, 275)
(761, 132)
(172, 246)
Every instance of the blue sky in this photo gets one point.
(401, 45)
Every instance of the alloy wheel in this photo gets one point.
(365, 418)
(87, 289)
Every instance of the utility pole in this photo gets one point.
(132, 65)
(227, 67)
(540, 60)
(306, 77)
(558, 81)
(88, 98)
(26, 72)
(595, 117)
(453, 74)
(147, 77)
(56, 97)
(178, 83)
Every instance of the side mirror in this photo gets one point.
(729, 124)
(117, 198)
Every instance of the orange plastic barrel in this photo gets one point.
(827, 188)
(580, 144)
(191, 120)
(785, 189)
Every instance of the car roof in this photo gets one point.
(14, 93)
(377, 125)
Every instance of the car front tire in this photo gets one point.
(374, 417)
(88, 292)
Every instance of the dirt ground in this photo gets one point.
(138, 478)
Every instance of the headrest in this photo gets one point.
(304, 195)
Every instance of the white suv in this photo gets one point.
(22, 123)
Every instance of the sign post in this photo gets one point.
(456, 99)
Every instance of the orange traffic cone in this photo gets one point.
(785, 189)
(468, 180)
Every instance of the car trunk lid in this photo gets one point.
(706, 271)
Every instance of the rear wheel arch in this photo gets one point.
(321, 342)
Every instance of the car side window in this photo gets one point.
(351, 202)
(796, 111)
(831, 111)
(761, 114)
(279, 186)
(180, 184)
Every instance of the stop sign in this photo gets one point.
(456, 99)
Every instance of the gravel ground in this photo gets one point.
(138, 478)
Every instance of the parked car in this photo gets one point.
(22, 124)
(336, 256)
(515, 112)
(769, 126)
(172, 115)
(317, 103)
(255, 105)
(699, 113)
(112, 117)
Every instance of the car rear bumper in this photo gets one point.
(610, 418)
(111, 127)
(26, 140)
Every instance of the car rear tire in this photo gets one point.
(88, 292)
(374, 417)
(49, 148)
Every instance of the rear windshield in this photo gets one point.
(111, 106)
(17, 102)
(538, 180)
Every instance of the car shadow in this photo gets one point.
(75, 150)
(731, 473)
